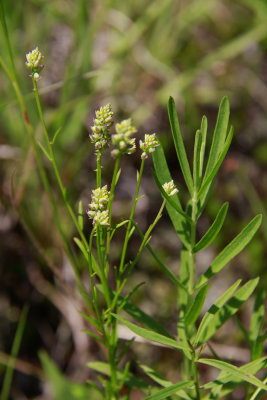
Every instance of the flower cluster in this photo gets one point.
(149, 145)
(102, 123)
(98, 207)
(33, 60)
(170, 188)
(122, 138)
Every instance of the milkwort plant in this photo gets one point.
(194, 331)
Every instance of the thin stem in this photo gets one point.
(109, 207)
(98, 169)
(129, 226)
(141, 247)
(100, 253)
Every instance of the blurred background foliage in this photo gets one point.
(133, 54)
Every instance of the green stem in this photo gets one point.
(121, 285)
(192, 261)
(110, 202)
(129, 226)
(100, 253)
(98, 169)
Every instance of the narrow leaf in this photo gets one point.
(44, 151)
(219, 135)
(213, 231)
(80, 215)
(81, 247)
(94, 336)
(151, 335)
(169, 198)
(14, 352)
(252, 367)
(131, 380)
(235, 371)
(160, 263)
(203, 128)
(164, 393)
(213, 309)
(208, 180)
(139, 315)
(231, 250)
(180, 223)
(256, 323)
(55, 135)
(92, 321)
(196, 307)
(228, 310)
(179, 145)
(196, 161)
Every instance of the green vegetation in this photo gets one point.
(119, 302)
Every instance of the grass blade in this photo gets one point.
(213, 231)
(164, 393)
(227, 311)
(234, 371)
(179, 146)
(196, 307)
(14, 352)
(151, 335)
(231, 250)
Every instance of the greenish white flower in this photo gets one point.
(33, 62)
(170, 188)
(101, 218)
(149, 145)
(100, 130)
(97, 208)
(122, 139)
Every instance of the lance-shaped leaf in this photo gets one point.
(196, 161)
(227, 311)
(227, 382)
(209, 179)
(213, 231)
(203, 129)
(203, 327)
(142, 317)
(179, 146)
(162, 381)
(164, 393)
(256, 323)
(151, 335)
(158, 260)
(196, 307)
(234, 371)
(179, 222)
(131, 380)
(219, 135)
(231, 250)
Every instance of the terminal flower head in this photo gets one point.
(122, 139)
(100, 130)
(98, 207)
(33, 62)
(149, 145)
(170, 188)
